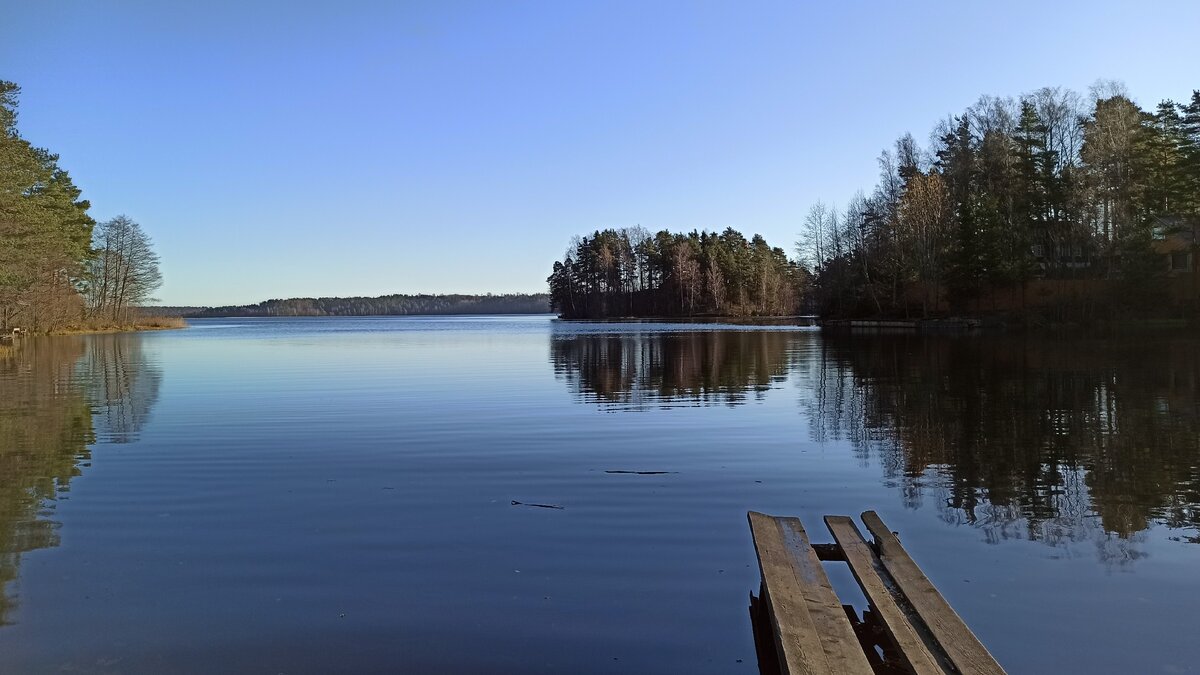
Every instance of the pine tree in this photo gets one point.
(956, 162)
(1031, 190)
(1189, 128)
(45, 231)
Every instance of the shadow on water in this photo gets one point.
(1031, 438)
(657, 370)
(57, 397)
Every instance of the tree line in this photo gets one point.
(629, 272)
(1052, 185)
(58, 268)
(387, 305)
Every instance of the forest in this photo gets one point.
(1074, 206)
(629, 272)
(387, 305)
(59, 269)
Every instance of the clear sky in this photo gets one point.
(279, 149)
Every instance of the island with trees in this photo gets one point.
(629, 272)
(60, 271)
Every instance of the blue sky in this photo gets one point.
(355, 148)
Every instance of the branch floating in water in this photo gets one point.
(540, 506)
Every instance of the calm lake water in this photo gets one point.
(335, 495)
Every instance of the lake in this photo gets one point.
(336, 494)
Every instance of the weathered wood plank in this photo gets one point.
(812, 633)
(764, 633)
(964, 649)
(868, 570)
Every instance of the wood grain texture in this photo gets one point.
(965, 650)
(813, 634)
(868, 570)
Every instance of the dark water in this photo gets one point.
(334, 495)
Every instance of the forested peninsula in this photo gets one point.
(629, 272)
(60, 271)
(1049, 206)
(386, 305)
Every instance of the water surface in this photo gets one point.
(335, 495)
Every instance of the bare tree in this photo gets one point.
(1102, 89)
(686, 270)
(925, 232)
(993, 115)
(1109, 145)
(1059, 110)
(813, 247)
(123, 271)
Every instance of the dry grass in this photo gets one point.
(161, 323)
(143, 323)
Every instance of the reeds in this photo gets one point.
(103, 326)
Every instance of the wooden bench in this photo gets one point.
(802, 627)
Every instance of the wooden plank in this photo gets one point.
(764, 633)
(796, 638)
(812, 633)
(964, 649)
(914, 652)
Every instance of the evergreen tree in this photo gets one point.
(45, 230)
(1189, 130)
(1019, 190)
(956, 163)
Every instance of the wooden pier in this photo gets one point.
(802, 627)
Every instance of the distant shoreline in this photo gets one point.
(383, 305)
(358, 316)
(365, 315)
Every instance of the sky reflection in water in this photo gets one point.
(314, 495)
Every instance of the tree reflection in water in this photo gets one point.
(56, 396)
(1083, 442)
(654, 370)
(121, 385)
(1058, 441)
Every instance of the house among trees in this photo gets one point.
(1179, 247)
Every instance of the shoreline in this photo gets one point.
(163, 323)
